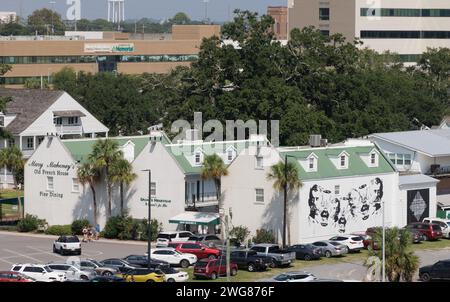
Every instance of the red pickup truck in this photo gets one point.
(198, 249)
(211, 269)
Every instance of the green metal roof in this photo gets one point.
(326, 169)
(80, 149)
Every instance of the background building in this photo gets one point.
(36, 57)
(280, 16)
(406, 27)
(7, 17)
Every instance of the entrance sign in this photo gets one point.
(108, 47)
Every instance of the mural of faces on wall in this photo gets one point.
(359, 204)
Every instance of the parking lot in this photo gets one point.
(25, 248)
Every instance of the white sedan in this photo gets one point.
(174, 257)
(174, 275)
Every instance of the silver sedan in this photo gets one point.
(331, 248)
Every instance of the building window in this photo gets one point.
(311, 163)
(230, 155)
(11, 143)
(73, 120)
(40, 140)
(50, 185)
(373, 158)
(198, 158)
(337, 190)
(259, 195)
(153, 189)
(392, 158)
(324, 14)
(75, 185)
(400, 160)
(407, 159)
(326, 33)
(57, 121)
(343, 161)
(259, 162)
(30, 143)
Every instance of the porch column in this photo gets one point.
(34, 143)
(20, 143)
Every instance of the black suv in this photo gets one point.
(306, 251)
(249, 260)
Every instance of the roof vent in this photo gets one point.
(315, 140)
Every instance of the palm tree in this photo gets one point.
(105, 153)
(293, 182)
(122, 173)
(214, 168)
(12, 159)
(401, 263)
(88, 174)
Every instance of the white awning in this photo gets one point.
(196, 218)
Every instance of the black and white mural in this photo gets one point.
(418, 205)
(336, 210)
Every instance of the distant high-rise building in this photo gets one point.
(406, 27)
(280, 16)
(7, 17)
(116, 11)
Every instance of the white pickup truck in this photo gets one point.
(67, 245)
(278, 256)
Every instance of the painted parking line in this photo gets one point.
(92, 253)
(44, 252)
(12, 257)
(23, 255)
(6, 261)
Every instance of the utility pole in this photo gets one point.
(227, 230)
(285, 200)
(149, 232)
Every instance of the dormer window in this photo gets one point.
(311, 163)
(231, 154)
(373, 159)
(342, 161)
(198, 157)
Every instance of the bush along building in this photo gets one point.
(345, 187)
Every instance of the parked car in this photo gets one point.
(293, 277)
(208, 240)
(416, 237)
(213, 268)
(107, 279)
(331, 248)
(39, 272)
(429, 230)
(438, 271)
(174, 275)
(143, 275)
(67, 245)
(174, 257)
(306, 251)
(278, 256)
(198, 249)
(99, 268)
(164, 238)
(354, 243)
(72, 272)
(10, 277)
(367, 239)
(250, 260)
(121, 265)
(443, 223)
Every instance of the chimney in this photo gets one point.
(315, 140)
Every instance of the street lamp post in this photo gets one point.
(149, 232)
(285, 198)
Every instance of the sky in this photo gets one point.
(218, 10)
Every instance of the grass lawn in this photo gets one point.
(244, 276)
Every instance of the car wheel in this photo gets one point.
(307, 257)
(233, 272)
(150, 281)
(425, 277)
(61, 251)
(54, 249)
(251, 267)
(83, 277)
(171, 280)
(273, 264)
(213, 276)
(211, 257)
(328, 254)
(184, 263)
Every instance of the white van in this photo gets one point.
(443, 223)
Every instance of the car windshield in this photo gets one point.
(436, 227)
(168, 270)
(178, 252)
(282, 277)
(357, 238)
(48, 269)
(72, 239)
(95, 262)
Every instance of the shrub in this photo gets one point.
(78, 226)
(119, 227)
(140, 229)
(30, 223)
(240, 233)
(59, 230)
(264, 236)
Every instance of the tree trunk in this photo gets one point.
(121, 198)
(221, 209)
(94, 200)
(19, 203)
(108, 192)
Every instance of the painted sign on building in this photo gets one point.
(418, 205)
(108, 47)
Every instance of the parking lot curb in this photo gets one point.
(102, 240)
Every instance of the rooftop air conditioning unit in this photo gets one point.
(323, 142)
(314, 140)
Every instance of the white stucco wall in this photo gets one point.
(170, 198)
